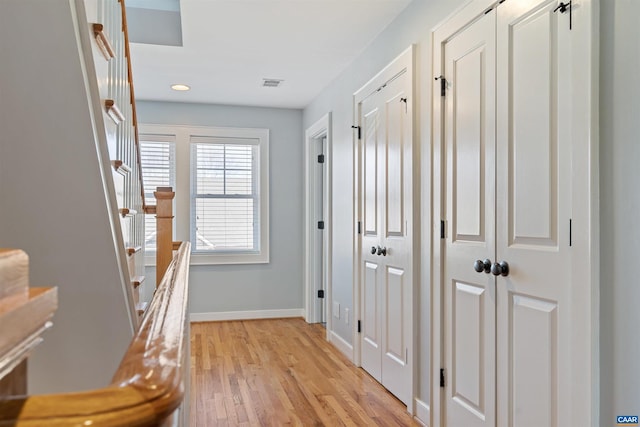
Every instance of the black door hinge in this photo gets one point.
(570, 232)
(442, 229)
(563, 8)
(320, 225)
(359, 131)
(442, 380)
(443, 85)
(359, 227)
(359, 326)
(320, 293)
(320, 158)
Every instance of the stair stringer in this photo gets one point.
(57, 195)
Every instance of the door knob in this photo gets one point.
(382, 251)
(500, 269)
(373, 250)
(481, 266)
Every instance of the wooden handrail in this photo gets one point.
(134, 113)
(148, 385)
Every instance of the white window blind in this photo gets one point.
(225, 195)
(157, 158)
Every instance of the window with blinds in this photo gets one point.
(221, 179)
(225, 195)
(157, 158)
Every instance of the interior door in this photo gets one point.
(533, 214)
(470, 299)
(371, 338)
(515, 330)
(387, 242)
(507, 332)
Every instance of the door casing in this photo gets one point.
(320, 129)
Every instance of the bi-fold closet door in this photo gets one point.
(506, 203)
(384, 116)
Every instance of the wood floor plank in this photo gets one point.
(281, 372)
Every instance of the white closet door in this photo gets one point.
(387, 235)
(371, 286)
(510, 334)
(533, 214)
(397, 267)
(470, 208)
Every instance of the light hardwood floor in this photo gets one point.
(281, 372)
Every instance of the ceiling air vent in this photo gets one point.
(271, 82)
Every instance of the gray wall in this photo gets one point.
(414, 25)
(52, 191)
(278, 284)
(619, 209)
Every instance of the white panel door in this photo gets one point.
(387, 242)
(504, 334)
(509, 333)
(470, 299)
(370, 289)
(396, 208)
(533, 214)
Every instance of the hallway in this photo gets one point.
(281, 372)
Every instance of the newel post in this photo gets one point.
(164, 227)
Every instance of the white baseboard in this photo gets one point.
(246, 315)
(423, 413)
(342, 345)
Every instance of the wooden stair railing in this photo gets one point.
(134, 112)
(119, 112)
(149, 383)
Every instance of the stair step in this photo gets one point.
(120, 166)
(137, 281)
(133, 250)
(113, 111)
(125, 212)
(103, 42)
(141, 307)
(25, 317)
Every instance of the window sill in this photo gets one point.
(209, 259)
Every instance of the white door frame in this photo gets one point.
(404, 61)
(320, 129)
(585, 210)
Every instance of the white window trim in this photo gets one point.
(182, 200)
(171, 139)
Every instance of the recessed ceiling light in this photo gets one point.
(180, 87)
(271, 82)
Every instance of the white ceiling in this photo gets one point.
(229, 46)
